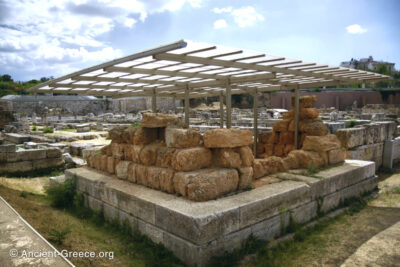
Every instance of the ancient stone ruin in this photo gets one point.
(164, 156)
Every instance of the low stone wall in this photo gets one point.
(13, 161)
(366, 142)
(198, 231)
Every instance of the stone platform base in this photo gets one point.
(197, 231)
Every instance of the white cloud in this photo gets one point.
(243, 17)
(45, 34)
(355, 29)
(222, 10)
(219, 24)
(246, 16)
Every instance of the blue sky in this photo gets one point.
(52, 38)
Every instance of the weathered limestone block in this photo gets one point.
(207, 184)
(165, 156)
(103, 163)
(270, 165)
(117, 150)
(313, 127)
(321, 143)
(44, 163)
(116, 133)
(290, 162)
(305, 113)
(305, 101)
(190, 159)
(8, 148)
(157, 120)
(33, 154)
(128, 134)
(288, 148)
(160, 179)
(86, 153)
(121, 170)
(279, 150)
(281, 126)
(23, 166)
(286, 138)
(135, 153)
(246, 155)
(144, 136)
(141, 174)
(373, 152)
(264, 181)
(274, 138)
(245, 177)
(264, 136)
(148, 155)
(306, 158)
(111, 165)
(372, 133)
(132, 172)
(106, 150)
(97, 161)
(227, 138)
(226, 158)
(336, 156)
(182, 138)
(269, 149)
(128, 151)
(351, 137)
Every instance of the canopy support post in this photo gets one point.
(221, 110)
(187, 106)
(174, 103)
(228, 101)
(296, 117)
(255, 122)
(153, 101)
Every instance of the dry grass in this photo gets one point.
(84, 236)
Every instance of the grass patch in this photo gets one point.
(65, 197)
(395, 190)
(136, 124)
(36, 173)
(48, 130)
(274, 254)
(58, 237)
(312, 169)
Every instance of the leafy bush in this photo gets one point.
(351, 123)
(34, 128)
(58, 236)
(63, 195)
(48, 130)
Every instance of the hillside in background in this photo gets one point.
(9, 87)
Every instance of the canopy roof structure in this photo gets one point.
(186, 69)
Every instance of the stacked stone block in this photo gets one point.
(280, 141)
(13, 161)
(317, 147)
(164, 156)
(367, 142)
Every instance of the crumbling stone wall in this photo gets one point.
(13, 161)
(366, 142)
(164, 156)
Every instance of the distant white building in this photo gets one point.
(366, 64)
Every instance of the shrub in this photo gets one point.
(34, 128)
(351, 123)
(48, 130)
(58, 237)
(63, 195)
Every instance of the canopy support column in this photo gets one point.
(153, 101)
(221, 110)
(228, 101)
(296, 117)
(187, 106)
(255, 122)
(174, 104)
